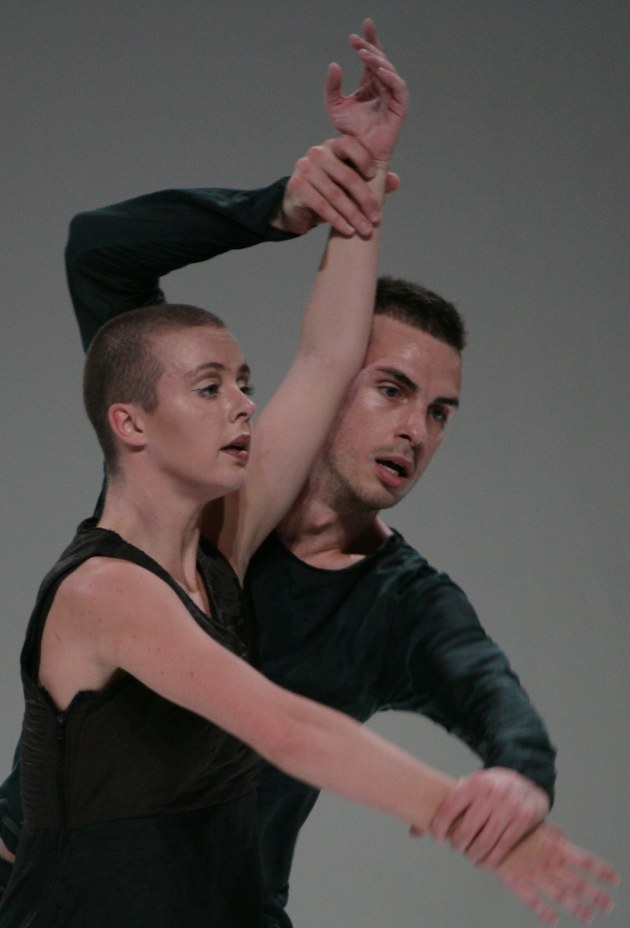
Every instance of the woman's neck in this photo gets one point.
(161, 523)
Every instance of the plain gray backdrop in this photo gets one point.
(513, 204)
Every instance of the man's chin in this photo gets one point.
(382, 498)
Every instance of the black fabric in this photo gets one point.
(196, 869)
(116, 255)
(136, 811)
(5, 872)
(389, 632)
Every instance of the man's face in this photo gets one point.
(200, 429)
(392, 420)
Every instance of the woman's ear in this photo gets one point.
(126, 421)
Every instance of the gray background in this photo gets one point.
(513, 205)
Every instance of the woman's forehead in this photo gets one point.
(184, 350)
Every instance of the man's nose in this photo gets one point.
(413, 428)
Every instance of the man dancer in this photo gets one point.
(351, 615)
(435, 658)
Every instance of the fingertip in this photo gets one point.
(344, 228)
(333, 79)
(612, 877)
(393, 182)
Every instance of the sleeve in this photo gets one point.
(11, 806)
(445, 666)
(116, 255)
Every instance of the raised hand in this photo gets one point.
(547, 872)
(329, 184)
(376, 110)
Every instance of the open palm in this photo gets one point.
(375, 112)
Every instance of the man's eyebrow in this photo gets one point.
(401, 377)
(406, 381)
(447, 401)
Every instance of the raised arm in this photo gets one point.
(336, 326)
(116, 255)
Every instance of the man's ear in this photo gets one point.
(126, 421)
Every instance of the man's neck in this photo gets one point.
(315, 532)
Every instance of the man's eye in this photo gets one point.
(389, 390)
(439, 414)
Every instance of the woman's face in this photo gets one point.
(199, 432)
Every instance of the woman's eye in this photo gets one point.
(211, 389)
(247, 389)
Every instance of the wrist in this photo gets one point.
(378, 181)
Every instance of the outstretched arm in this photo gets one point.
(111, 614)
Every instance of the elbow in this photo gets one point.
(79, 233)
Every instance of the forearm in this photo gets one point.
(331, 751)
(463, 681)
(502, 726)
(339, 312)
(116, 255)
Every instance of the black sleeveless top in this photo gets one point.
(136, 811)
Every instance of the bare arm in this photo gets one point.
(81, 649)
(334, 335)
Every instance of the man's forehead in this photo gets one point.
(391, 338)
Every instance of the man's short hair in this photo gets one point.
(122, 365)
(414, 305)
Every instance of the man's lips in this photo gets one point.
(394, 469)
